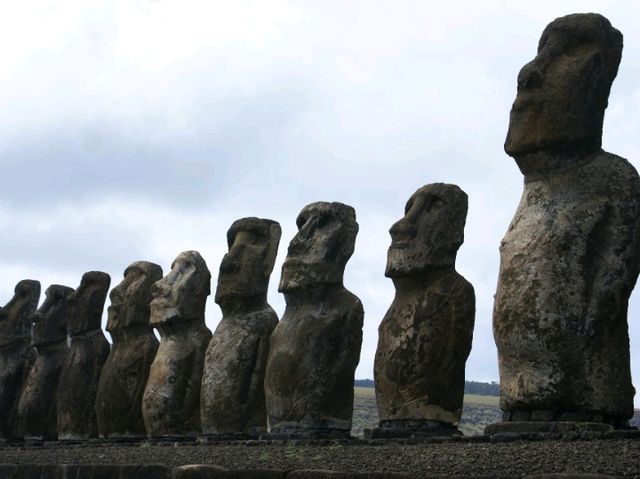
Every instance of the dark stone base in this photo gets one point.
(215, 438)
(518, 427)
(407, 429)
(303, 434)
(171, 440)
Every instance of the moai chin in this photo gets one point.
(37, 408)
(171, 400)
(88, 351)
(16, 351)
(232, 396)
(425, 337)
(124, 375)
(315, 348)
(570, 257)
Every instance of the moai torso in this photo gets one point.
(232, 396)
(425, 337)
(171, 400)
(315, 348)
(37, 408)
(570, 258)
(88, 351)
(124, 375)
(16, 351)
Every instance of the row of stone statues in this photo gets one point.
(569, 262)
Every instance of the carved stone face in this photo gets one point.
(563, 91)
(319, 252)
(182, 294)
(430, 232)
(131, 298)
(246, 268)
(50, 321)
(15, 316)
(86, 303)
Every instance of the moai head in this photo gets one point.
(563, 91)
(131, 298)
(50, 321)
(86, 303)
(15, 317)
(246, 268)
(430, 232)
(182, 294)
(319, 252)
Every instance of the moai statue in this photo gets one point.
(571, 255)
(37, 410)
(316, 346)
(124, 375)
(88, 352)
(232, 397)
(425, 337)
(171, 400)
(16, 352)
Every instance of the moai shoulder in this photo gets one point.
(232, 396)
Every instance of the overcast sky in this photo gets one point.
(137, 130)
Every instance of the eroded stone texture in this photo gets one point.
(570, 257)
(37, 408)
(124, 375)
(88, 352)
(316, 346)
(425, 337)
(171, 400)
(232, 396)
(16, 351)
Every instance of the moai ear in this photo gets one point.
(275, 232)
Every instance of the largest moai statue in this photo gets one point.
(124, 375)
(425, 337)
(171, 400)
(232, 396)
(88, 352)
(570, 257)
(37, 410)
(316, 346)
(16, 352)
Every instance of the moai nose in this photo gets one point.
(530, 76)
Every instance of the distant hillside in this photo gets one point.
(470, 387)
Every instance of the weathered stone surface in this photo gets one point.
(88, 352)
(570, 257)
(171, 400)
(16, 351)
(124, 375)
(316, 346)
(37, 408)
(425, 337)
(232, 396)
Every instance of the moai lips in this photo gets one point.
(88, 351)
(425, 337)
(232, 396)
(16, 351)
(124, 375)
(37, 407)
(571, 255)
(315, 348)
(171, 400)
